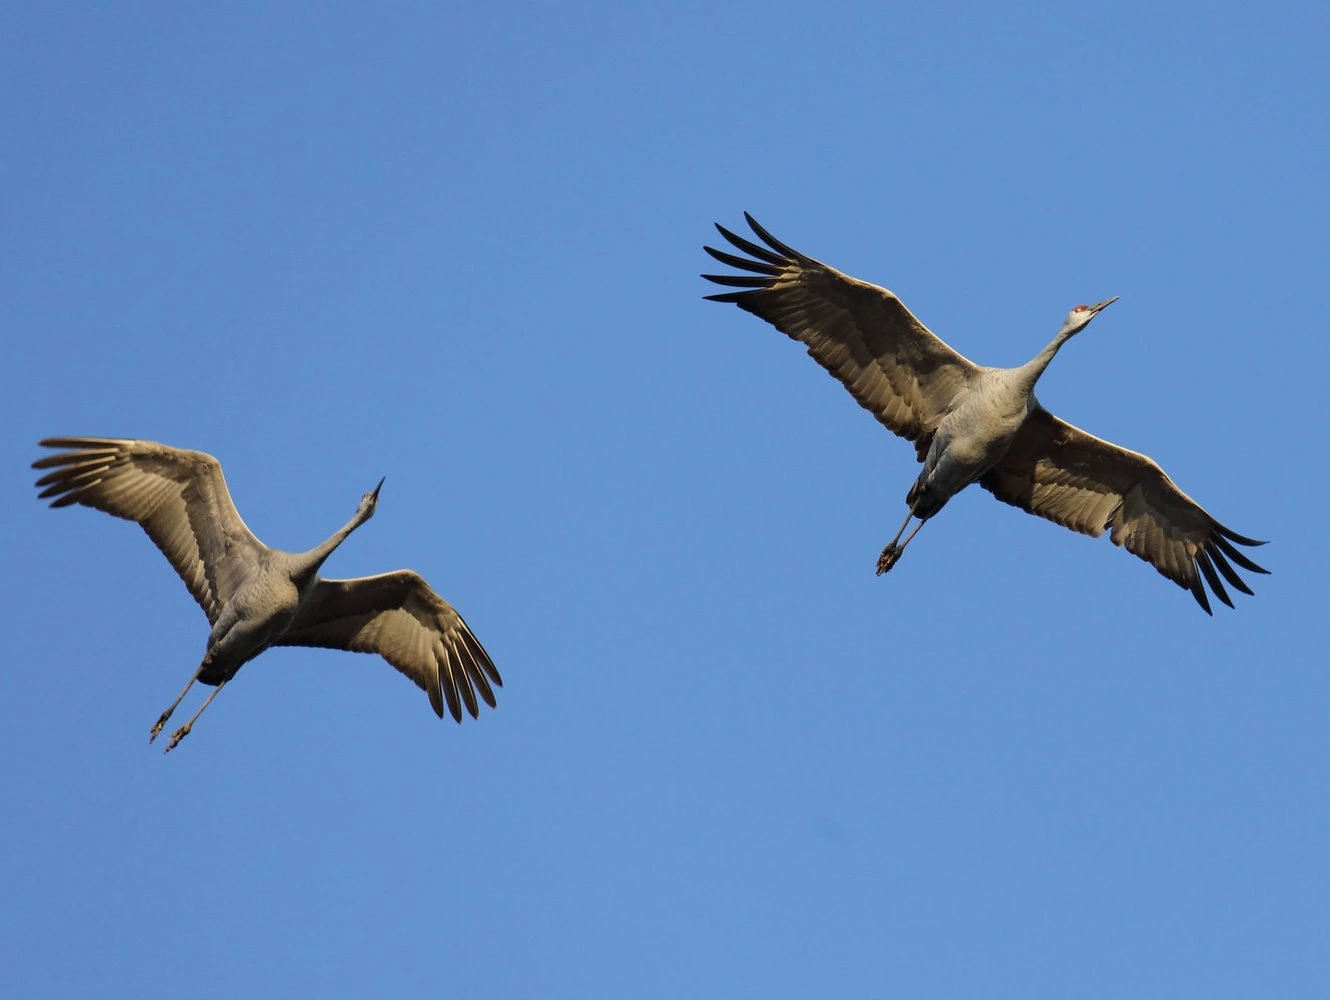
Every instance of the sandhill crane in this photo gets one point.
(970, 423)
(256, 597)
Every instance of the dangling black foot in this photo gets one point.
(157, 727)
(888, 557)
(179, 735)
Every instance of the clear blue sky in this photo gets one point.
(458, 246)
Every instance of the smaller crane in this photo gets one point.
(256, 597)
(970, 423)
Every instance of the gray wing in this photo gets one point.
(399, 616)
(1090, 485)
(860, 333)
(179, 498)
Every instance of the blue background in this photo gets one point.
(458, 245)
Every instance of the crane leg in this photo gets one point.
(183, 731)
(893, 551)
(157, 726)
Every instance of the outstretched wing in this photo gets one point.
(1090, 485)
(399, 616)
(860, 333)
(179, 497)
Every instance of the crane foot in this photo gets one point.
(888, 557)
(177, 736)
(157, 727)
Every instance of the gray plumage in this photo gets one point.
(970, 423)
(256, 597)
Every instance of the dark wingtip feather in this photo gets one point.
(101, 446)
(743, 263)
(770, 240)
(1212, 578)
(1227, 548)
(449, 686)
(54, 483)
(64, 442)
(1197, 589)
(1212, 563)
(1240, 539)
(739, 280)
(51, 461)
(749, 247)
(1221, 564)
(482, 685)
(482, 657)
(468, 694)
(764, 267)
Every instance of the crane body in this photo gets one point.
(971, 438)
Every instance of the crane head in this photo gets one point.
(370, 500)
(1079, 318)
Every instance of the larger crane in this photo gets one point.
(970, 423)
(256, 597)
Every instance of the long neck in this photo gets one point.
(315, 557)
(1028, 373)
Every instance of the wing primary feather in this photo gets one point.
(743, 263)
(71, 468)
(63, 467)
(466, 662)
(749, 247)
(739, 280)
(85, 455)
(775, 244)
(483, 686)
(1230, 575)
(55, 491)
(464, 685)
(74, 488)
(81, 443)
(1197, 589)
(457, 663)
(71, 478)
(1212, 578)
(477, 676)
(1228, 550)
(435, 698)
(1240, 539)
(450, 694)
(483, 658)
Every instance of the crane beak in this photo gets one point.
(375, 492)
(1103, 305)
